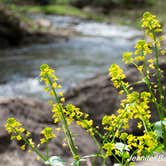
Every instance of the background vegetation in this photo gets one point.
(126, 12)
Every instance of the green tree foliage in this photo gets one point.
(109, 3)
(41, 2)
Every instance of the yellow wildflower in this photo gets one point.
(117, 75)
(48, 135)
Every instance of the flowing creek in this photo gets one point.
(76, 59)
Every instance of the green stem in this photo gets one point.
(120, 118)
(135, 83)
(148, 83)
(143, 121)
(100, 151)
(47, 151)
(124, 88)
(117, 159)
(32, 148)
(35, 150)
(97, 142)
(65, 126)
(160, 87)
(103, 162)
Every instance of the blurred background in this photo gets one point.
(79, 38)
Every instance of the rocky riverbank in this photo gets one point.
(17, 30)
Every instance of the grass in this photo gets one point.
(123, 16)
(58, 9)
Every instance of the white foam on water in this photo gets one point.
(27, 87)
(107, 30)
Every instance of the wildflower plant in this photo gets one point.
(115, 142)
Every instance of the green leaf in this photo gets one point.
(55, 161)
(158, 128)
(75, 163)
(126, 155)
(159, 148)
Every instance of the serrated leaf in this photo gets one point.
(158, 128)
(55, 161)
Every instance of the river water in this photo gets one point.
(76, 59)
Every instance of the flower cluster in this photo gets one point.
(117, 77)
(142, 49)
(70, 112)
(48, 135)
(47, 75)
(131, 145)
(150, 23)
(14, 127)
(128, 57)
(74, 113)
(135, 106)
(109, 147)
(18, 132)
(152, 28)
(145, 144)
